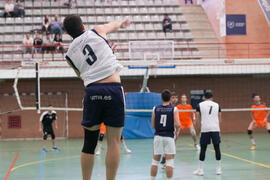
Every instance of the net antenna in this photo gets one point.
(152, 52)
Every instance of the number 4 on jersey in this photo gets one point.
(163, 120)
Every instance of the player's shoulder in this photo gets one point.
(75, 44)
(53, 112)
(44, 113)
(179, 106)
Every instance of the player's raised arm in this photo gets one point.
(104, 29)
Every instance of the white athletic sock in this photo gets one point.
(153, 178)
(218, 163)
(253, 141)
(200, 164)
(124, 144)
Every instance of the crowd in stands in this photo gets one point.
(48, 38)
(13, 10)
(43, 44)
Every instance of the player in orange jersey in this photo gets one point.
(259, 118)
(102, 133)
(187, 118)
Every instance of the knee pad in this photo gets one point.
(45, 136)
(170, 163)
(249, 132)
(155, 163)
(101, 136)
(193, 132)
(90, 141)
(269, 131)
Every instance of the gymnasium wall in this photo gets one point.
(258, 30)
(229, 91)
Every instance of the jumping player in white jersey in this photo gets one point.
(95, 63)
(210, 114)
(165, 121)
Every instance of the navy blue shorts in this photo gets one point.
(104, 102)
(206, 138)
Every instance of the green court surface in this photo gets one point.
(237, 160)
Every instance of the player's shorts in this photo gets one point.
(48, 131)
(104, 102)
(260, 124)
(164, 145)
(207, 137)
(186, 123)
(102, 129)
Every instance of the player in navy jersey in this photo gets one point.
(93, 60)
(47, 120)
(165, 121)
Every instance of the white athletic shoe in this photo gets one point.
(99, 149)
(98, 152)
(127, 150)
(197, 147)
(199, 172)
(218, 171)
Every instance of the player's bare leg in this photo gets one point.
(87, 159)
(113, 151)
(154, 167)
(194, 137)
(169, 167)
(251, 137)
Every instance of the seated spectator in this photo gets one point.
(37, 43)
(46, 24)
(70, 3)
(58, 42)
(28, 44)
(19, 9)
(9, 9)
(56, 26)
(47, 43)
(191, 1)
(166, 23)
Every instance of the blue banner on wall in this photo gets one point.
(265, 5)
(236, 24)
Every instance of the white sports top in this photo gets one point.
(92, 56)
(209, 111)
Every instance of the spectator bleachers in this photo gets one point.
(146, 17)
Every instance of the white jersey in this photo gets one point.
(209, 111)
(92, 56)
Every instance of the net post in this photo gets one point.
(37, 88)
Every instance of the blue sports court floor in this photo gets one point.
(237, 160)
